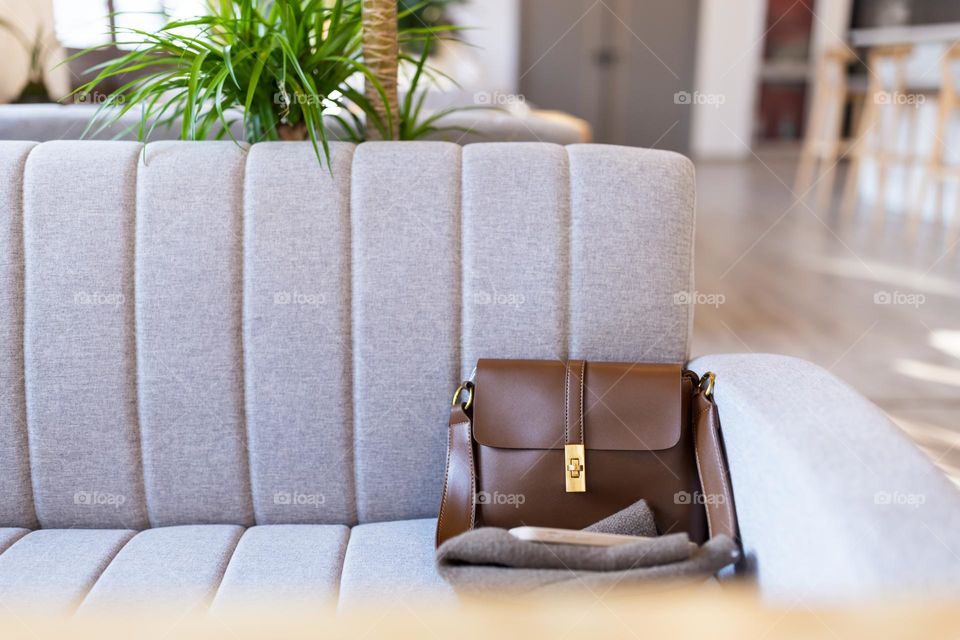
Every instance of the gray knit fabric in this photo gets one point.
(635, 520)
(488, 560)
(492, 546)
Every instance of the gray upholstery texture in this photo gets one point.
(391, 564)
(169, 566)
(288, 564)
(16, 492)
(79, 336)
(188, 307)
(217, 334)
(834, 501)
(52, 570)
(182, 568)
(297, 360)
(9, 535)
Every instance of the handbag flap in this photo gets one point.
(521, 404)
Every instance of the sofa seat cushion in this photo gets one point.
(53, 569)
(392, 564)
(187, 567)
(291, 564)
(180, 567)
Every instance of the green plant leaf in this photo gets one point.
(189, 112)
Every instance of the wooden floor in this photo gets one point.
(800, 281)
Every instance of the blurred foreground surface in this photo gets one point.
(706, 612)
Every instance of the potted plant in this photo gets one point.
(381, 51)
(282, 68)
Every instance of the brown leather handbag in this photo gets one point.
(554, 444)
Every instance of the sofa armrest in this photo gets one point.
(834, 501)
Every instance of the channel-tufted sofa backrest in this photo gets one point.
(208, 333)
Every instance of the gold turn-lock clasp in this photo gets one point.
(575, 473)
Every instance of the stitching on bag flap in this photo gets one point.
(583, 364)
(566, 402)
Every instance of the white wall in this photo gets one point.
(729, 53)
(490, 64)
(495, 34)
(28, 16)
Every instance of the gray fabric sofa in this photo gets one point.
(225, 371)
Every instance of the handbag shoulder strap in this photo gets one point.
(711, 463)
(457, 507)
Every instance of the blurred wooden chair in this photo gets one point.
(823, 143)
(877, 135)
(937, 171)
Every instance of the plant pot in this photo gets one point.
(292, 132)
(33, 93)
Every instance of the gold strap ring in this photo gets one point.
(707, 382)
(468, 387)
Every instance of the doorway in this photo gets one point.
(618, 64)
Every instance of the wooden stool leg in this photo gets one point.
(808, 156)
(882, 161)
(811, 139)
(910, 162)
(865, 129)
(866, 121)
(856, 111)
(891, 147)
(934, 168)
(871, 116)
(835, 132)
